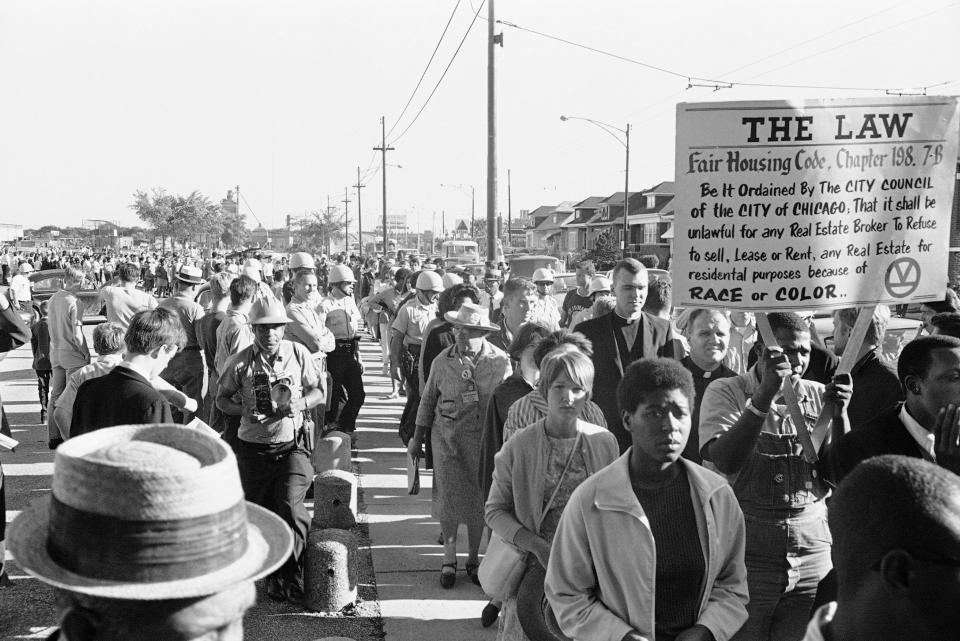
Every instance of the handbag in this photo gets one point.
(504, 564)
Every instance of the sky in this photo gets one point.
(101, 98)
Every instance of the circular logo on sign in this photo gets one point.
(902, 277)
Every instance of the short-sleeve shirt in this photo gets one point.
(189, 313)
(123, 303)
(341, 316)
(63, 319)
(293, 365)
(412, 321)
(233, 335)
(576, 308)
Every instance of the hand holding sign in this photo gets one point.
(774, 368)
(946, 433)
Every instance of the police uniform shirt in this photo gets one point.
(412, 321)
(341, 316)
(293, 365)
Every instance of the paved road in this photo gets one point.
(400, 561)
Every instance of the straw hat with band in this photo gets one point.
(472, 316)
(536, 616)
(190, 274)
(146, 513)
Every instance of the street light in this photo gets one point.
(625, 141)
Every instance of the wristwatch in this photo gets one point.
(753, 410)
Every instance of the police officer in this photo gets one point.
(276, 381)
(342, 317)
(407, 335)
(299, 262)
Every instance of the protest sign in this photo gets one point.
(813, 204)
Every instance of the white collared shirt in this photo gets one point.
(921, 435)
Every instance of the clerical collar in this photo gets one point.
(696, 370)
(620, 321)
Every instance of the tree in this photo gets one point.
(156, 210)
(605, 252)
(178, 217)
(323, 230)
(235, 232)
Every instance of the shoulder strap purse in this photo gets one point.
(504, 564)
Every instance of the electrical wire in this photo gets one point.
(846, 44)
(425, 69)
(700, 81)
(443, 75)
(244, 199)
(813, 39)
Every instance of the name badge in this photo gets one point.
(472, 396)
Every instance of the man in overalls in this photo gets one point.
(747, 434)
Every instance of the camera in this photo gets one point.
(271, 397)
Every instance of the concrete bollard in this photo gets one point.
(334, 500)
(330, 575)
(332, 452)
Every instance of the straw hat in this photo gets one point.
(145, 513)
(472, 316)
(190, 274)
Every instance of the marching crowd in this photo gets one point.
(641, 474)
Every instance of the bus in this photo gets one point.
(377, 247)
(459, 252)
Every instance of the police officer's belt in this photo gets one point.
(346, 347)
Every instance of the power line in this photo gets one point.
(443, 75)
(425, 69)
(813, 39)
(848, 43)
(700, 81)
(244, 199)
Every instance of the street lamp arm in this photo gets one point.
(603, 126)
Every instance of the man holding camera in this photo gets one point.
(277, 381)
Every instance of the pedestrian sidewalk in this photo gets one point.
(403, 535)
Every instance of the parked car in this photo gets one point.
(526, 265)
(47, 282)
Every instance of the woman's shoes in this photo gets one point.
(448, 579)
(472, 572)
(490, 614)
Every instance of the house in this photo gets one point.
(651, 224)
(551, 231)
(609, 217)
(534, 236)
(576, 229)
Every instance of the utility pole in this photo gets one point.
(473, 216)
(358, 187)
(383, 149)
(509, 214)
(346, 218)
(443, 222)
(492, 41)
(326, 243)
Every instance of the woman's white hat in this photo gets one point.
(147, 512)
(472, 316)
